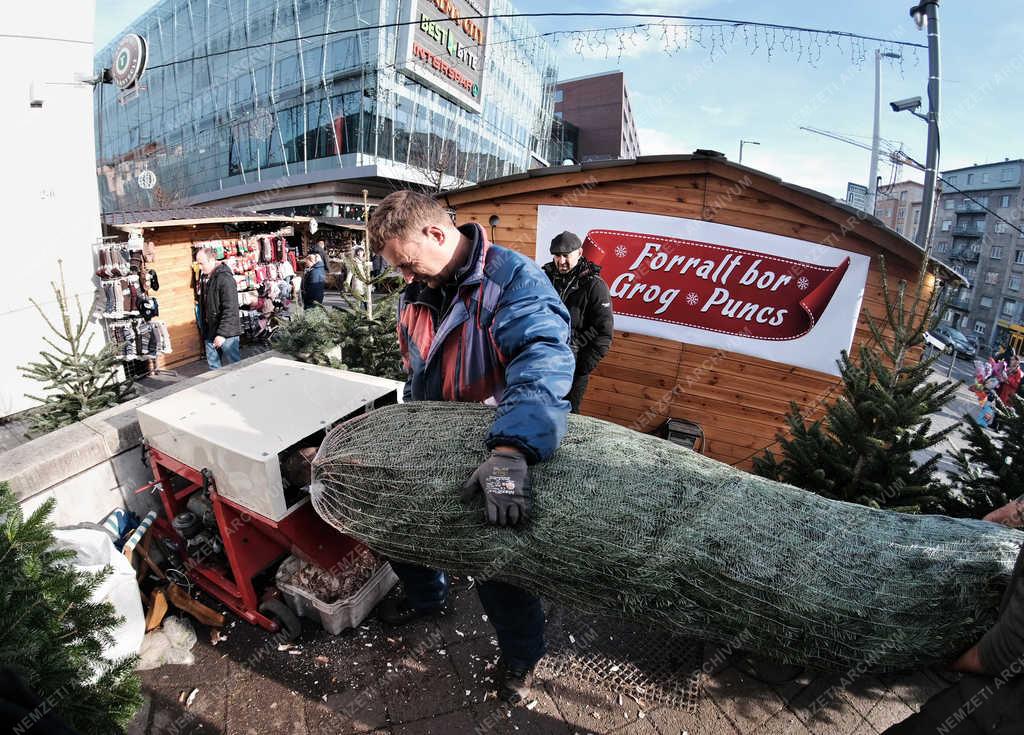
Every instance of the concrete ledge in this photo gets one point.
(45, 461)
(39, 466)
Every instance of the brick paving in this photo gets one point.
(429, 679)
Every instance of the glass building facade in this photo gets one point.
(266, 94)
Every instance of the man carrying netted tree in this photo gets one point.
(479, 323)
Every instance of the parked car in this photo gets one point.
(955, 340)
(974, 341)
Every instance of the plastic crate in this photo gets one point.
(335, 616)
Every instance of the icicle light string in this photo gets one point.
(773, 37)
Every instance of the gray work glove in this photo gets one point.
(505, 481)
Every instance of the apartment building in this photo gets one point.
(979, 231)
(899, 206)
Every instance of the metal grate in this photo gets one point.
(645, 663)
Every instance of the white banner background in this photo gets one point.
(817, 350)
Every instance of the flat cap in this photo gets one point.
(565, 243)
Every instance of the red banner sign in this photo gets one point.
(712, 287)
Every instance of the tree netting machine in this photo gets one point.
(230, 458)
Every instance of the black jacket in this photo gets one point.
(218, 306)
(586, 297)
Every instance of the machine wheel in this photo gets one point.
(280, 613)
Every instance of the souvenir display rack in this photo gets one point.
(128, 306)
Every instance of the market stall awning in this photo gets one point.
(342, 222)
(183, 216)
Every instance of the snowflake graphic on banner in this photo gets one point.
(802, 283)
(692, 298)
(620, 251)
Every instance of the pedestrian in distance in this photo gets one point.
(585, 294)
(1010, 381)
(219, 319)
(314, 280)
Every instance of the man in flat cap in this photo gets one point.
(585, 295)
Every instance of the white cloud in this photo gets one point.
(655, 143)
(661, 7)
(828, 174)
(827, 171)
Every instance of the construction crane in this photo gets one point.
(893, 150)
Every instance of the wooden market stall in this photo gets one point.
(737, 387)
(174, 233)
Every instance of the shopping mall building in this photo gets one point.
(300, 105)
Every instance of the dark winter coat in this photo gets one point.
(586, 296)
(218, 306)
(317, 250)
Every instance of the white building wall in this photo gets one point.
(48, 193)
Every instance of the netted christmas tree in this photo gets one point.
(78, 382)
(52, 635)
(863, 449)
(638, 528)
(988, 473)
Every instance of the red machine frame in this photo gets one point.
(252, 543)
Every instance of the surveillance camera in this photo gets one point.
(35, 101)
(911, 103)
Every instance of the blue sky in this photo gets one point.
(689, 100)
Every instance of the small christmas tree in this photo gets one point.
(310, 336)
(988, 473)
(371, 345)
(78, 382)
(52, 634)
(863, 450)
(345, 339)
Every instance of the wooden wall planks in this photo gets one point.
(740, 401)
(173, 266)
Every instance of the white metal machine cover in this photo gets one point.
(236, 422)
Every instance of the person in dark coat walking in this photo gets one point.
(314, 279)
(319, 250)
(585, 294)
(218, 310)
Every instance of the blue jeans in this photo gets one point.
(228, 353)
(517, 615)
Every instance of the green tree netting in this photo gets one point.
(639, 528)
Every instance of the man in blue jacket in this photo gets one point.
(478, 322)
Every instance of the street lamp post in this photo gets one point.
(869, 202)
(746, 142)
(925, 14)
(366, 254)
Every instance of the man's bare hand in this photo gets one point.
(1011, 514)
(218, 341)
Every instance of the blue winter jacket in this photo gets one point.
(316, 273)
(505, 336)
